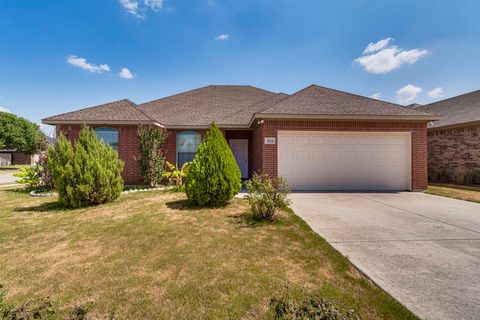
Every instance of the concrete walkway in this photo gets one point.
(424, 250)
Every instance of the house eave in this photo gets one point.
(455, 125)
(282, 116)
(101, 122)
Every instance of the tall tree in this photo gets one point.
(20, 134)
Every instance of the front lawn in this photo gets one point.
(149, 256)
(455, 191)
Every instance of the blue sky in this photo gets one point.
(60, 55)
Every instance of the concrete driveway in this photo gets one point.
(6, 177)
(424, 250)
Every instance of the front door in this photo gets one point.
(240, 152)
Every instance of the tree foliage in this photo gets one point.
(152, 157)
(86, 173)
(214, 177)
(20, 134)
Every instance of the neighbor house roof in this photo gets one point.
(122, 111)
(456, 111)
(201, 107)
(320, 102)
(238, 106)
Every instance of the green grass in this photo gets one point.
(14, 167)
(455, 191)
(151, 256)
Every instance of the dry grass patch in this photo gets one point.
(152, 256)
(456, 192)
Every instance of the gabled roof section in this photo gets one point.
(118, 112)
(244, 116)
(456, 111)
(316, 101)
(201, 107)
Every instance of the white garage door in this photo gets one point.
(312, 160)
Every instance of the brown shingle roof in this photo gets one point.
(201, 107)
(457, 110)
(244, 116)
(316, 100)
(117, 111)
(237, 105)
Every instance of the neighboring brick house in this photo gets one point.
(10, 157)
(454, 141)
(318, 138)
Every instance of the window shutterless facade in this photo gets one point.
(109, 136)
(187, 145)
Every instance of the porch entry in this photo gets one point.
(240, 152)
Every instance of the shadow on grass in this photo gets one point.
(247, 220)
(187, 205)
(183, 204)
(44, 207)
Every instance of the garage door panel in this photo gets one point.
(303, 154)
(302, 140)
(345, 160)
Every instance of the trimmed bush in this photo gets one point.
(266, 195)
(86, 173)
(214, 177)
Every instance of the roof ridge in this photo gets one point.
(450, 98)
(174, 95)
(250, 106)
(359, 95)
(204, 87)
(88, 108)
(145, 113)
(352, 94)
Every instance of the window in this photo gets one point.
(187, 145)
(109, 136)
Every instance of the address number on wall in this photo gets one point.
(270, 140)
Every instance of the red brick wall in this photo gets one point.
(454, 150)
(268, 153)
(128, 148)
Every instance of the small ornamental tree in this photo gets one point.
(152, 158)
(86, 173)
(214, 177)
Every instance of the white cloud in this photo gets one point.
(82, 63)
(132, 7)
(407, 94)
(138, 8)
(379, 45)
(222, 37)
(155, 5)
(376, 96)
(381, 57)
(126, 74)
(436, 93)
(3, 109)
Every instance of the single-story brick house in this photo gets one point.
(454, 141)
(318, 138)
